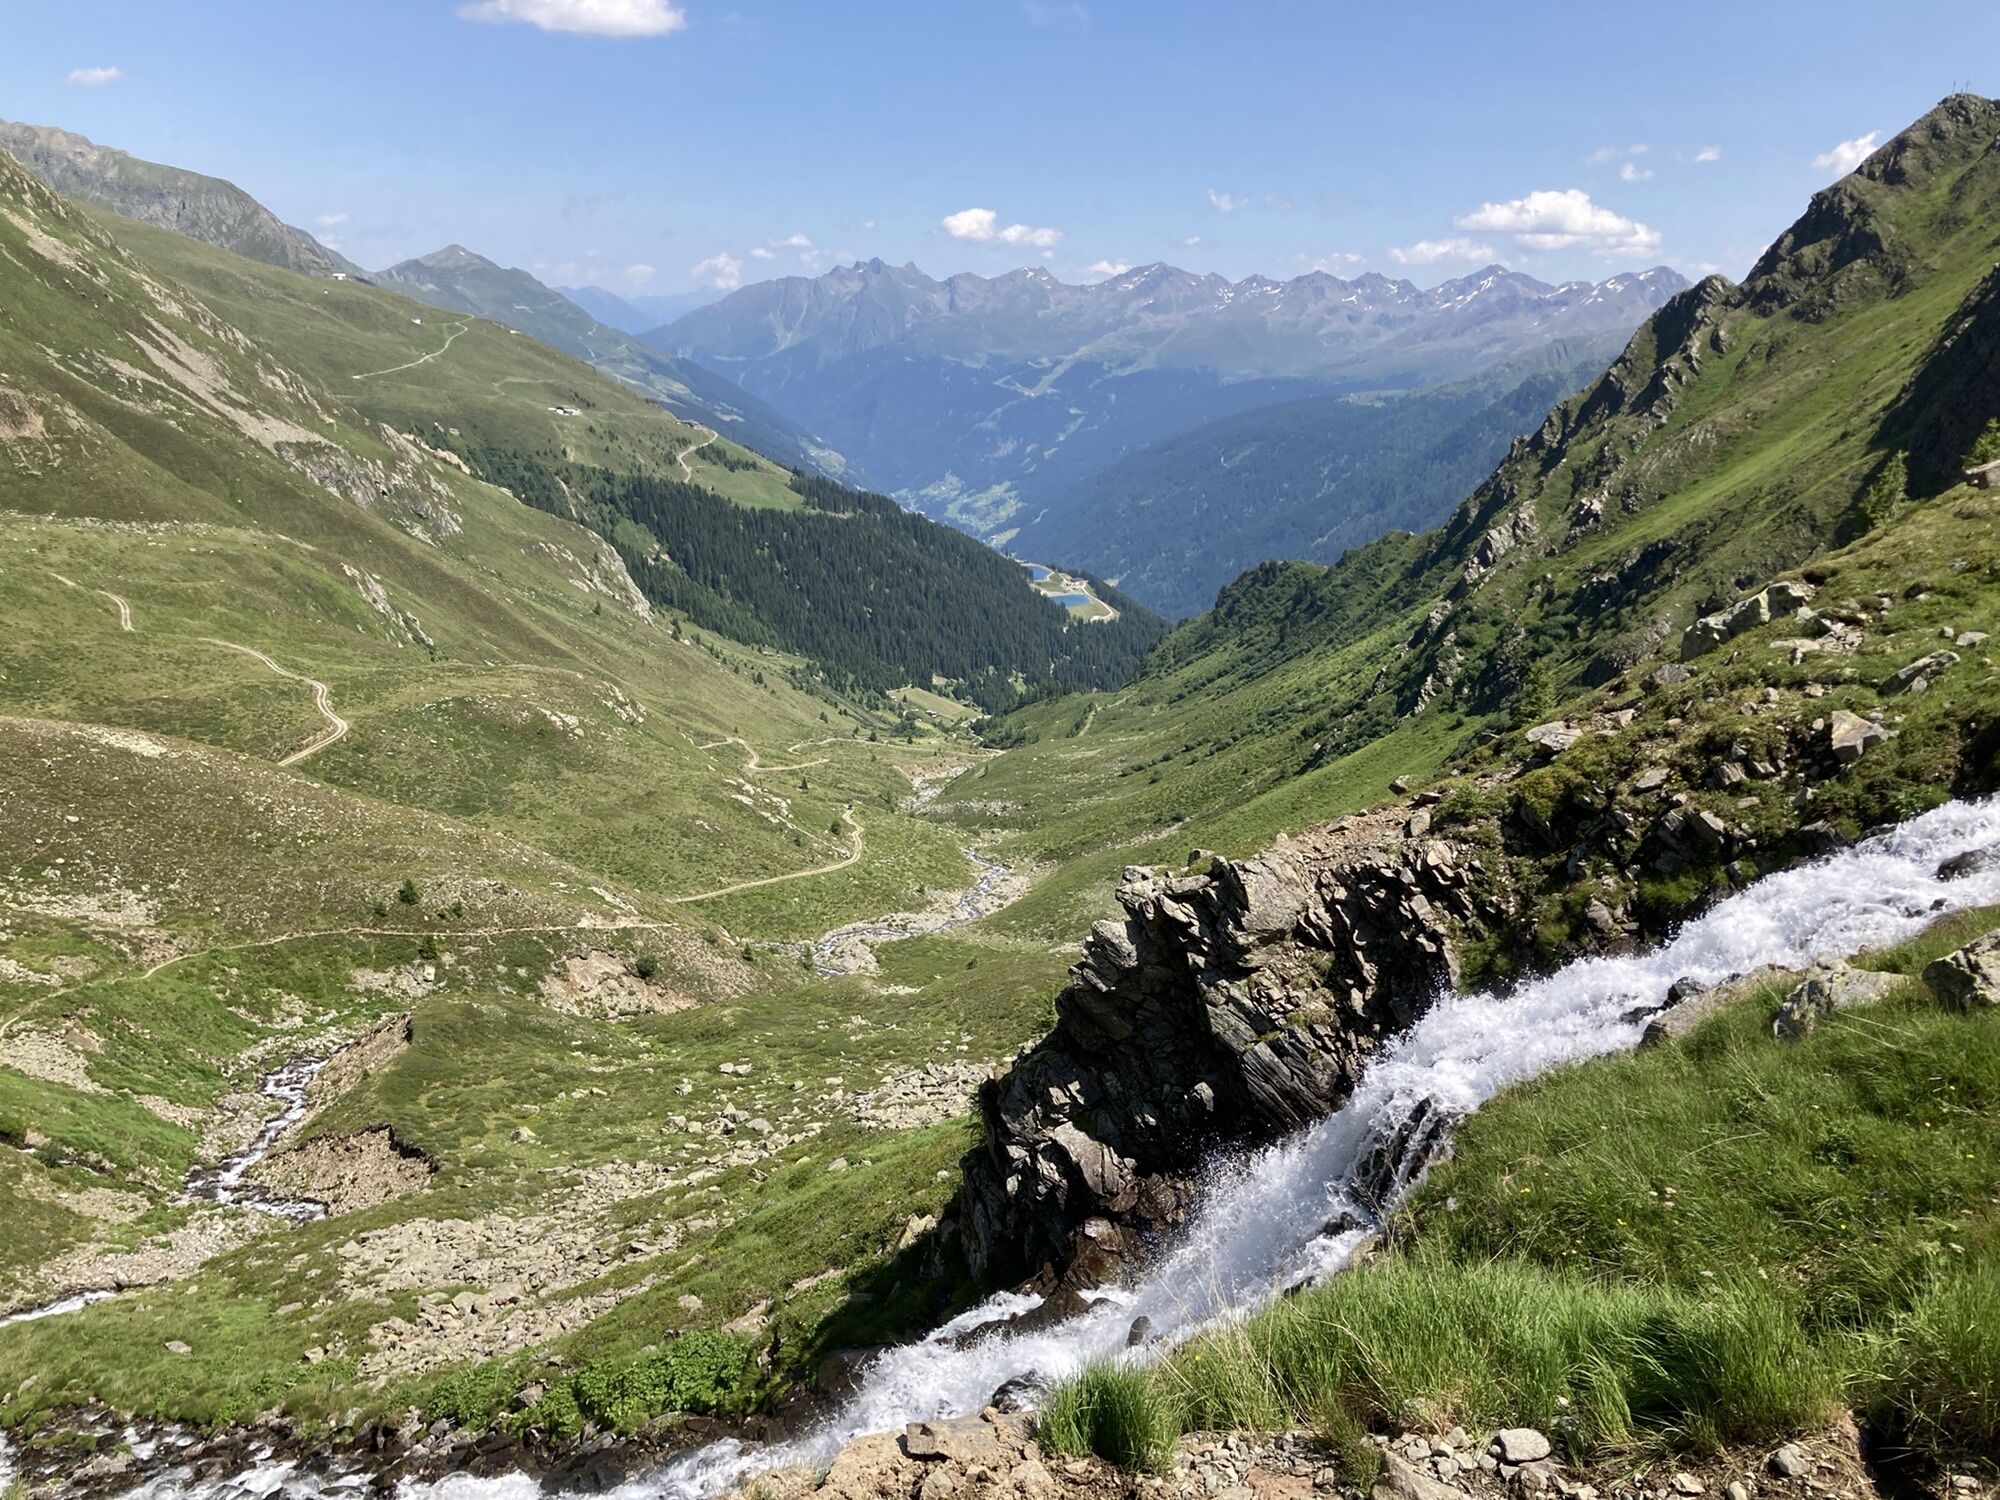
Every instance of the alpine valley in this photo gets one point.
(569, 924)
(999, 404)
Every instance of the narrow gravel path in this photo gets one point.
(336, 726)
(687, 469)
(853, 854)
(117, 601)
(451, 339)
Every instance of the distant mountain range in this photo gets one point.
(983, 400)
(1160, 428)
(457, 279)
(637, 312)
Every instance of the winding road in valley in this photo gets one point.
(336, 726)
(687, 469)
(450, 339)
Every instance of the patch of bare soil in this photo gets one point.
(358, 1060)
(603, 986)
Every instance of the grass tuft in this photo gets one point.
(1116, 1412)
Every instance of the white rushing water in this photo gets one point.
(228, 1181)
(1264, 1225)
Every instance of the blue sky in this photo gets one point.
(653, 145)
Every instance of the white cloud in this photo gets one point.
(1107, 268)
(1430, 252)
(1848, 155)
(1549, 220)
(763, 252)
(1279, 203)
(792, 242)
(1708, 154)
(1605, 155)
(1192, 241)
(1227, 203)
(639, 273)
(1631, 171)
(982, 227)
(329, 221)
(971, 224)
(723, 271)
(1338, 261)
(94, 78)
(622, 18)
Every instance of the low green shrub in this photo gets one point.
(1114, 1411)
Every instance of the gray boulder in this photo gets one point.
(1972, 862)
(1916, 677)
(1825, 990)
(1520, 1445)
(1849, 736)
(1403, 1480)
(1970, 977)
(1711, 631)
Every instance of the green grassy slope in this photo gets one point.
(493, 386)
(458, 280)
(205, 208)
(535, 770)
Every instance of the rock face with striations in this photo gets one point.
(1227, 1007)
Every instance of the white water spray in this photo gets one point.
(1264, 1226)
(227, 1182)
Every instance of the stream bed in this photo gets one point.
(851, 949)
(228, 1182)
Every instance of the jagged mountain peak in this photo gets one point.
(1860, 226)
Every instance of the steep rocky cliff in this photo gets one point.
(1231, 1003)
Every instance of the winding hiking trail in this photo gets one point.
(450, 339)
(336, 726)
(754, 766)
(859, 848)
(118, 602)
(687, 469)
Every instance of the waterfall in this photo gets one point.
(1267, 1221)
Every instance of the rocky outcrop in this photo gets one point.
(1968, 978)
(606, 986)
(1917, 676)
(1717, 629)
(1826, 989)
(1228, 1006)
(350, 1172)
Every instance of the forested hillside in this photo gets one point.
(877, 595)
(1304, 479)
(879, 600)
